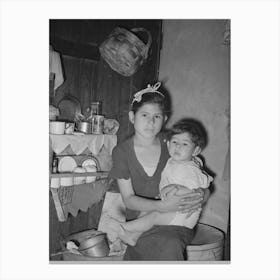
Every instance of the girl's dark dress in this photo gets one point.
(160, 242)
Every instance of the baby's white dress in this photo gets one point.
(189, 174)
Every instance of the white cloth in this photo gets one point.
(190, 175)
(53, 112)
(55, 67)
(79, 143)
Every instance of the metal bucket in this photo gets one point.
(207, 244)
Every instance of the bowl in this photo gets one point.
(95, 245)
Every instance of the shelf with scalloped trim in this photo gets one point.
(102, 174)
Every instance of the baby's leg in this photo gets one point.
(129, 237)
(129, 232)
(115, 230)
(133, 229)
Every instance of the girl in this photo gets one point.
(137, 166)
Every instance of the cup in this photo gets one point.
(57, 127)
(69, 128)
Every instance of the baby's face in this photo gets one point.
(182, 148)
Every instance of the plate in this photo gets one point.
(91, 165)
(67, 164)
(90, 162)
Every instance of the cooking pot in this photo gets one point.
(95, 245)
(84, 127)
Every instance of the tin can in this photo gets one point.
(96, 108)
(97, 124)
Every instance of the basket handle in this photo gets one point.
(148, 44)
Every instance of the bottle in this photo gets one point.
(55, 165)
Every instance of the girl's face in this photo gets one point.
(148, 120)
(182, 148)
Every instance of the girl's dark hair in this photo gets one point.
(195, 129)
(150, 98)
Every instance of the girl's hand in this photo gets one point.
(199, 190)
(184, 203)
(205, 193)
(171, 203)
(191, 202)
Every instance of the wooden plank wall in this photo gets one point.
(80, 80)
(90, 80)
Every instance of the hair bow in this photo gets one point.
(138, 95)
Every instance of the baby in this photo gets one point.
(184, 170)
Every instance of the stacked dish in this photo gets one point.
(66, 164)
(90, 164)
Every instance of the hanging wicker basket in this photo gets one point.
(124, 51)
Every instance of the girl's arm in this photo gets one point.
(173, 203)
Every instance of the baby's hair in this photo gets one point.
(150, 98)
(194, 128)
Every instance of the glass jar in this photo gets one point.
(96, 108)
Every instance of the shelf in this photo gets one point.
(85, 174)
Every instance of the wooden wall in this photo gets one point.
(89, 78)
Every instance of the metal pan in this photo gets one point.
(69, 106)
